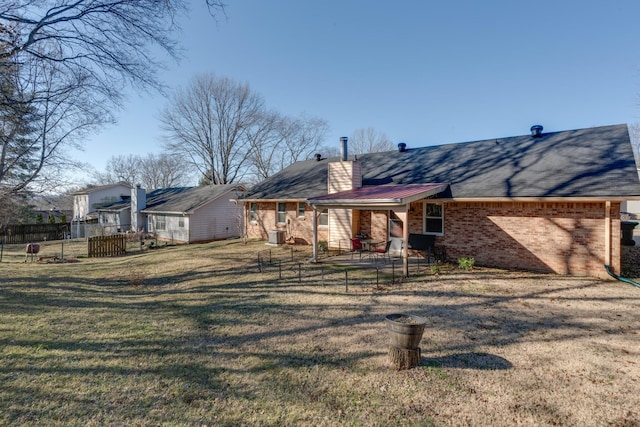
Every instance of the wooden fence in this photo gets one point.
(27, 233)
(104, 246)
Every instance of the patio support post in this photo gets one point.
(404, 217)
(607, 233)
(314, 221)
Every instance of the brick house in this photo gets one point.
(546, 202)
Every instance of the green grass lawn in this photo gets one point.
(196, 335)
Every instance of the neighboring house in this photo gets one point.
(632, 208)
(182, 214)
(86, 202)
(547, 202)
(58, 207)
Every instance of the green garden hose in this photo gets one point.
(622, 279)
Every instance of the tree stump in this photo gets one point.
(404, 358)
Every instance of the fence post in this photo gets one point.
(377, 276)
(280, 269)
(346, 280)
(299, 272)
(270, 260)
(393, 271)
(321, 274)
(259, 263)
(292, 254)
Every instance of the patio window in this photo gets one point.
(281, 215)
(300, 209)
(433, 219)
(323, 220)
(161, 222)
(253, 212)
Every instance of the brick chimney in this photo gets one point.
(345, 174)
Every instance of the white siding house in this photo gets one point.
(89, 200)
(197, 214)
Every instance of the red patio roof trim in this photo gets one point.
(379, 195)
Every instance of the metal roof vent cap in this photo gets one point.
(402, 147)
(318, 156)
(536, 131)
(344, 151)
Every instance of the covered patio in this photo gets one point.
(394, 199)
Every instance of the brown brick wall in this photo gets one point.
(298, 230)
(565, 238)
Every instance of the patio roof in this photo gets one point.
(378, 196)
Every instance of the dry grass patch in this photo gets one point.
(196, 335)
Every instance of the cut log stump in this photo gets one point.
(404, 358)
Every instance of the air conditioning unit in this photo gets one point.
(276, 237)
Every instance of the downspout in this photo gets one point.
(314, 221)
(607, 247)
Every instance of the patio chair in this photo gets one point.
(382, 251)
(356, 246)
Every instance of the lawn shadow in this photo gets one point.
(471, 360)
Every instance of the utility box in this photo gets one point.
(276, 237)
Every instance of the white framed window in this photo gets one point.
(433, 219)
(253, 212)
(161, 222)
(181, 222)
(301, 209)
(323, 219)
(281, 214)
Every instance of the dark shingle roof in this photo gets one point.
(180, 199)
(187, 199)
(594, 162)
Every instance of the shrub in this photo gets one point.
(466, 263)
(323, 246)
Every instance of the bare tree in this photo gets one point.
(302, 136)
(64, 64)
(369, 140)
(152, 171)
(121, 169)
(110, 40)
(209, 122)
(277, 142)
(164, 171)
(265, 139)
(44, 112)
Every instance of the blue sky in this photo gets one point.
(423, 72)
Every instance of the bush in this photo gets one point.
(466, 263)
(323, 246)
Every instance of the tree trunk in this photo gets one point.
(404, 358)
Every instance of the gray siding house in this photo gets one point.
(180, 214)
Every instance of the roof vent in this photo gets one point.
(318, 156)
(402, 147)
(536, 131)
